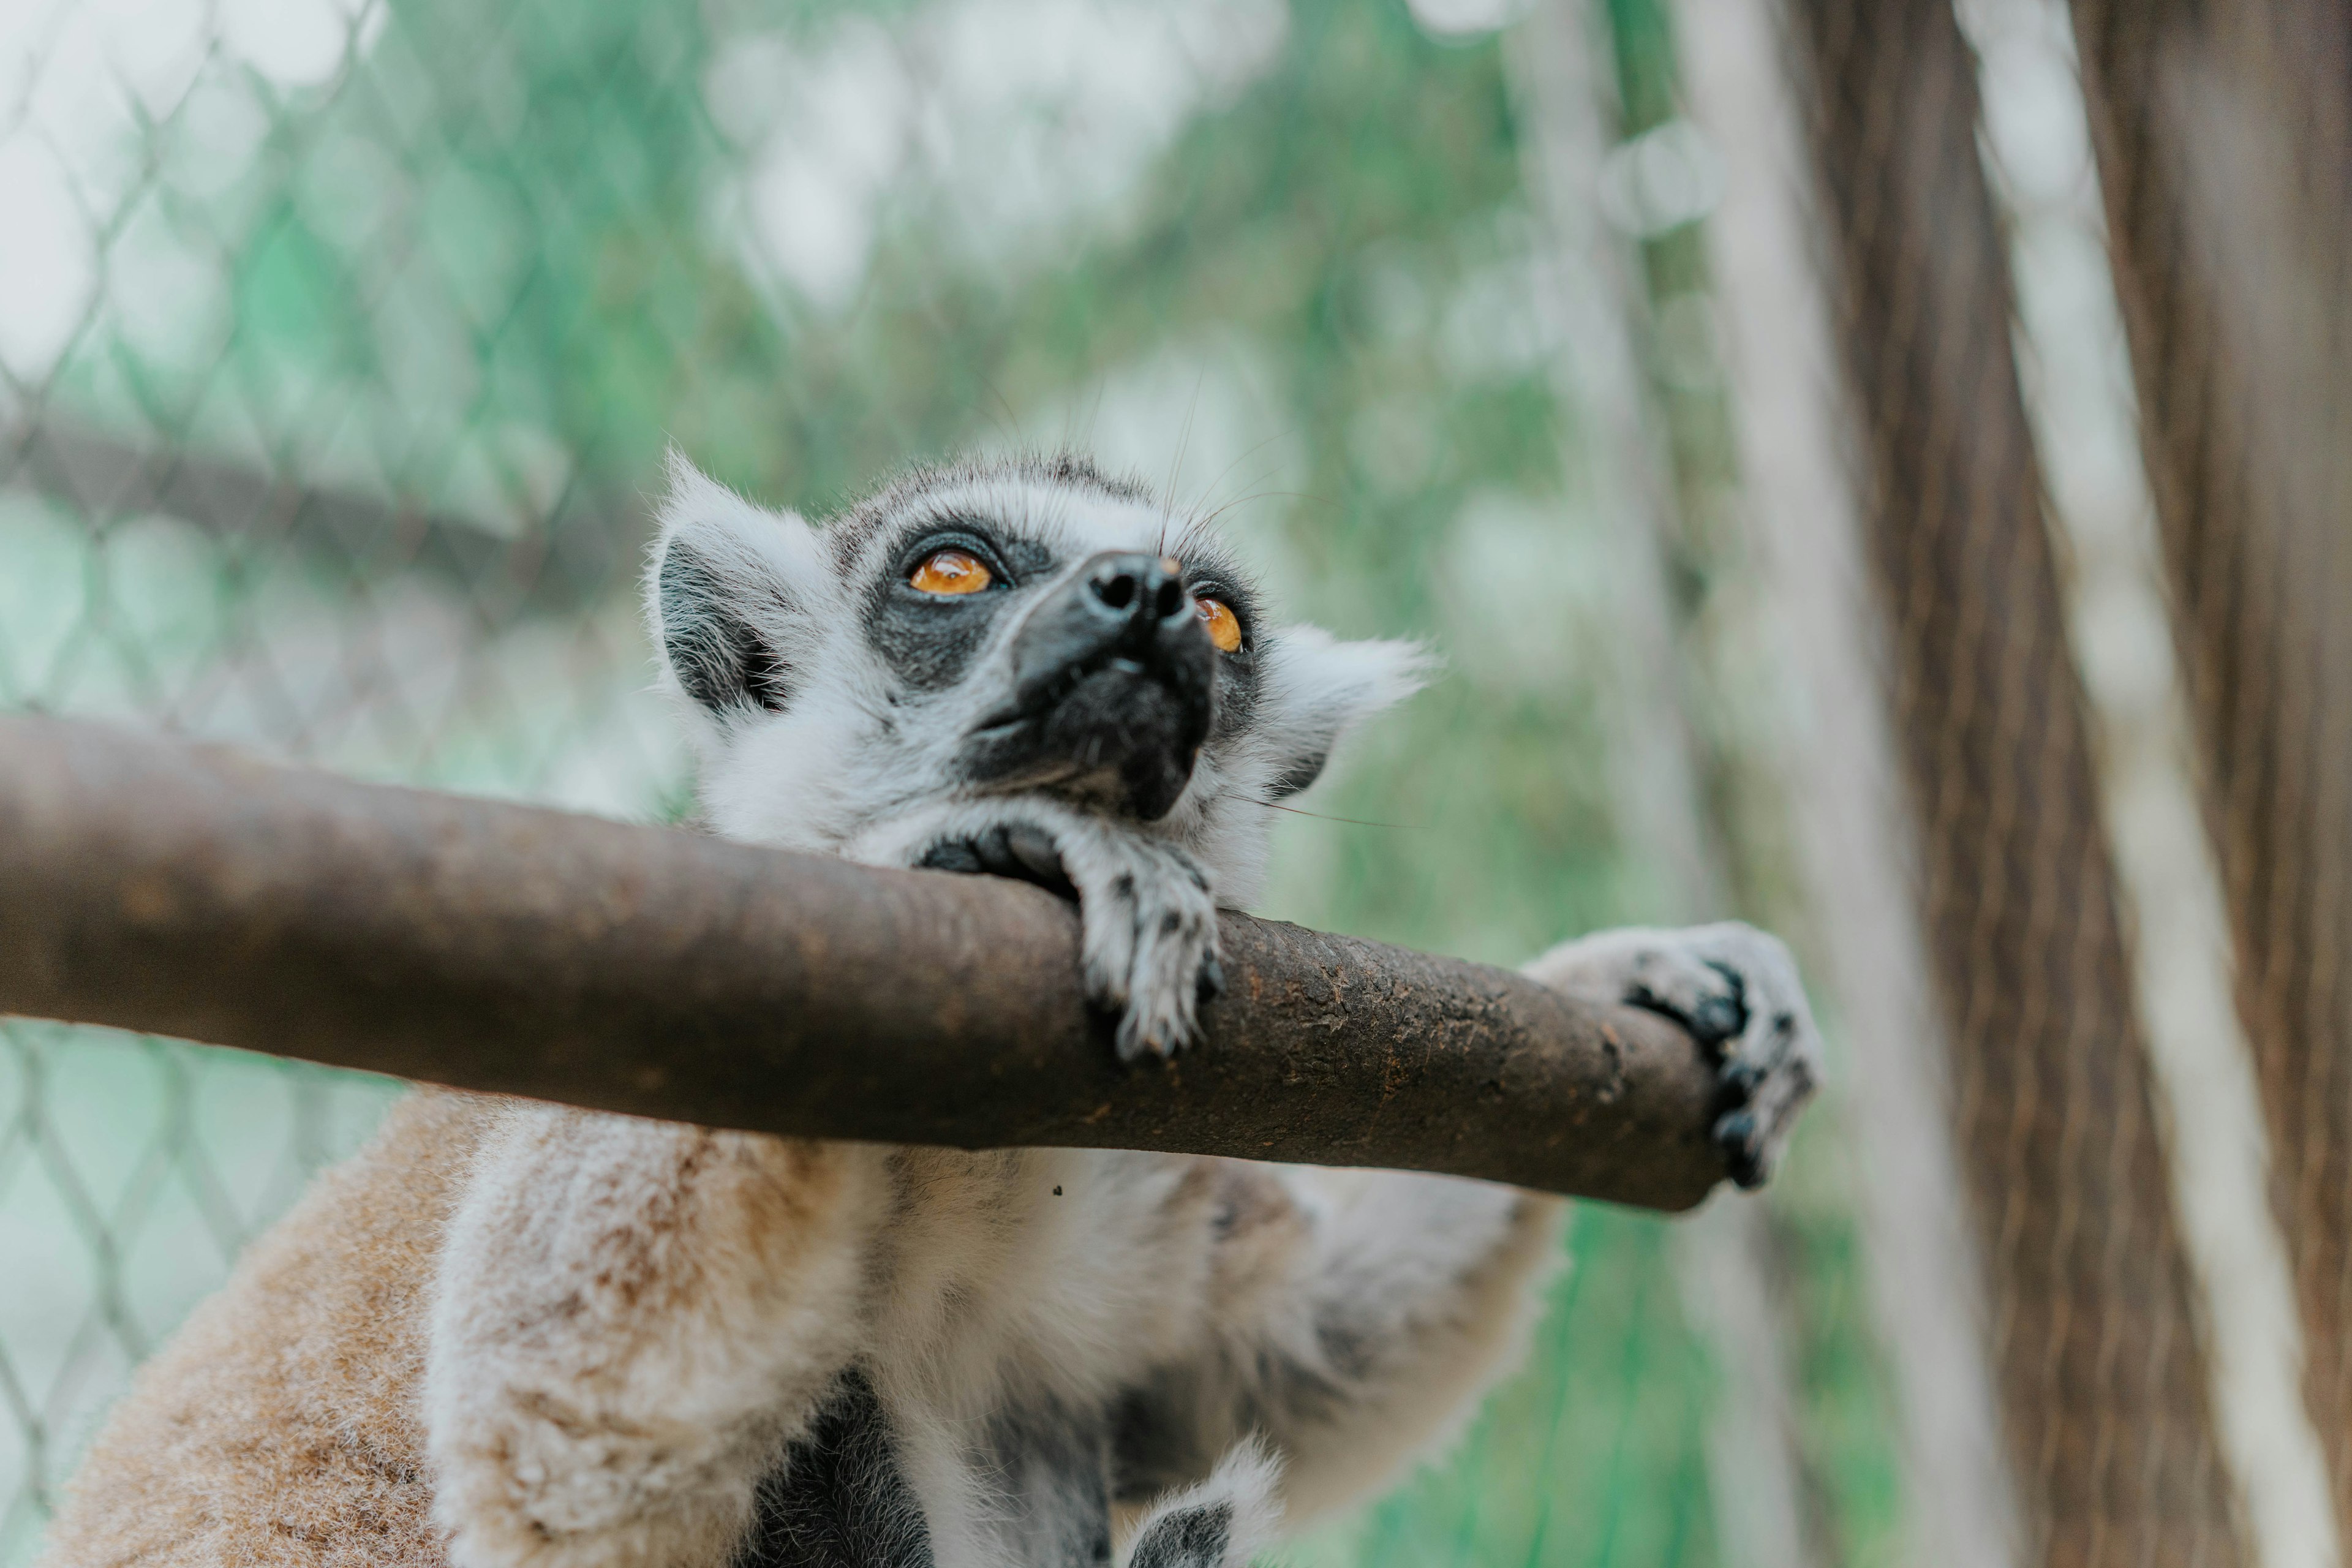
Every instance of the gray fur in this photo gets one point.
(665, 1346)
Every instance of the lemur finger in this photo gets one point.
(1175, 939)
(1018, 850)
(1706, 998)
(1771, 1068)
(956, 854)
(1750, 1134)
(1743, 1151)
(1033, 849)
(1775, 1020)
(1107, 939)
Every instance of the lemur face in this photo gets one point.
(1020, 668)
(1093, 677)
(1026, 629)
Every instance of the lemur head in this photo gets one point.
(1018, 628)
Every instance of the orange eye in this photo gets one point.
(1223, 631)
(950, 572)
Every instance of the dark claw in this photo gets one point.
(1743, 1152)
(1721, 1018)
(1040, 861)
(1213, 980)
(1016, 850)
(1717, 1020)
(1739, 1079)
(954, 855)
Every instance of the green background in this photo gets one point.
(481, 263)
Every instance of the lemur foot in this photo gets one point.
(1223, 1522)
(1735, 990)
(1148, 915)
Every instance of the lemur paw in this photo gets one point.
(1150, 949)
(1223, 1522)
(1735, 990)
(1148, 918)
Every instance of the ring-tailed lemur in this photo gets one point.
(651, 1345)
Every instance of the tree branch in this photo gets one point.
(154, 885)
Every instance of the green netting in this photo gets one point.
(340, 348)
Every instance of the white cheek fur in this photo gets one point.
(778, 783)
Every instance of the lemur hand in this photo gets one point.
(1148, 916)
(1735, 990)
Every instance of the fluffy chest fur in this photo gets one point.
(1026, 1311)
(520, 1336)
(910, 1356)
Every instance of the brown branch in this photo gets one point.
(186, 890)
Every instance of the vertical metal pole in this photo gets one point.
(2103, 1392)
(2078, 393)
(2224, 135)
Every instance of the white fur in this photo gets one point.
(633, 1321)
(1242, 1498)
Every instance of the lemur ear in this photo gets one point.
(730, 594)
(1316, 689)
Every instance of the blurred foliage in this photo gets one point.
(487, 261)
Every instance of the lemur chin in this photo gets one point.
(520, 1336)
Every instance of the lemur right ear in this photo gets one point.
(729, 595)
(1316, 689)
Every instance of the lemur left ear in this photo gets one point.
(730, 594)
(1315, 689)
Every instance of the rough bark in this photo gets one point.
(154, 885)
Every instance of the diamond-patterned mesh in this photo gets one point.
(339, 345)
(339, 341)
(131, 1173)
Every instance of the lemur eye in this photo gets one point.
(950, 572)
(1223, 631)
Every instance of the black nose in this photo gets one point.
(1144, 591)
(1114, 689)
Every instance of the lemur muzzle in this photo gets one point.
(1114, 687)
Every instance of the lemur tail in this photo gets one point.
(1221, 1523)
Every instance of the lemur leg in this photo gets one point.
(1223, 1522)
(631, 1319)
(1145, 907)
(1418, 1293)
(1363, 1314)
(1353, 1318)
(1735, 990)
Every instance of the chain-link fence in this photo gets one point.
(341, 346)
(340, 341)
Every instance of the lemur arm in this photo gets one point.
(631, 1319)
(1358, 1317)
